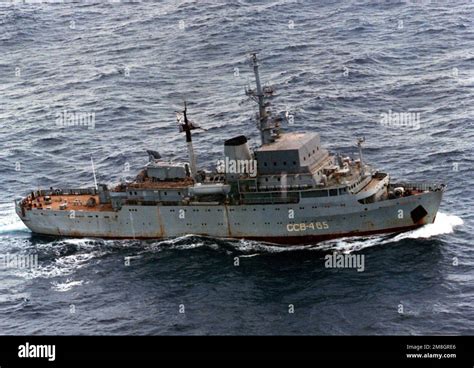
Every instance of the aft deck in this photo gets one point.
(66, 202)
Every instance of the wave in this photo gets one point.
(65, 286)
(9, 221)
(444, 224)
(10, 303)
(62, 266)
(430, 31)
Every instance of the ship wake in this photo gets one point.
(444, 224)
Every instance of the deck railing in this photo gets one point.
(68, 191)
(419, 186)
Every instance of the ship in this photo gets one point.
(288, 190)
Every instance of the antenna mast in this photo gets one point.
(186, 127)
(359, 144)
(269, 128)
(93, 172)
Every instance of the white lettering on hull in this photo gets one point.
(307, 226)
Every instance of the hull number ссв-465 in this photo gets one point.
(307, 226)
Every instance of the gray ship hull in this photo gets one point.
(304, 222)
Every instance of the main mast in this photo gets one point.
(269, 128)
(359, 144)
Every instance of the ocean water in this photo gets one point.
(338, 68)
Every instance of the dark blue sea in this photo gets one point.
(336, 67)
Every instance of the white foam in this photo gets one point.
(187, 246)
(444, 224)
(65, 286)
(9, 221)
(249, 255)
(248, 246)
(347, 245)
(62, 266)
(78, 241)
